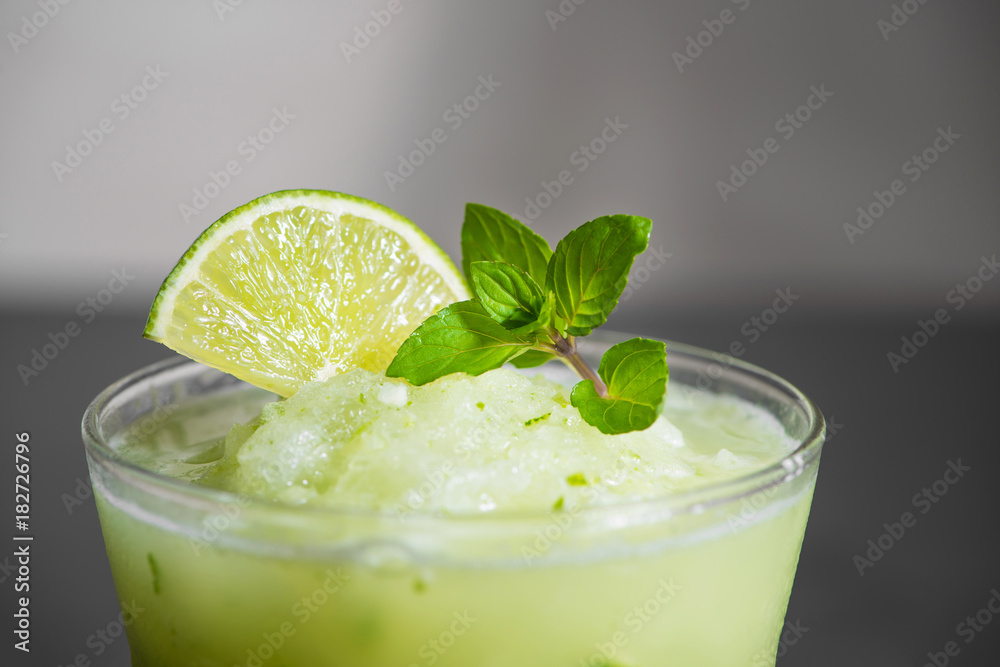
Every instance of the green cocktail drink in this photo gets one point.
(622, 558)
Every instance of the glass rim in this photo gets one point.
(688, 501)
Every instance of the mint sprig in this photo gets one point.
(530, 306)
(460, 338)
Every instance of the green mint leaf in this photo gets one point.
(635, 373)
(493, 236)
(542, 327)
(461, 337)
(532, 358)
(509, 295)
(590, 266)
(546, 321)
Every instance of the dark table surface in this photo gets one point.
(895, 435)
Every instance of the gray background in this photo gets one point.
(60, 240)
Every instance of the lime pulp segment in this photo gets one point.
(301, 285)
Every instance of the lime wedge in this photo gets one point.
(300, 285)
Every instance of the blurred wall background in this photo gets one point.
(126, 128)
(117, 114)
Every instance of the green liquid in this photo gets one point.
(699, 591)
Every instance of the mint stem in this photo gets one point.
(565, 348)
